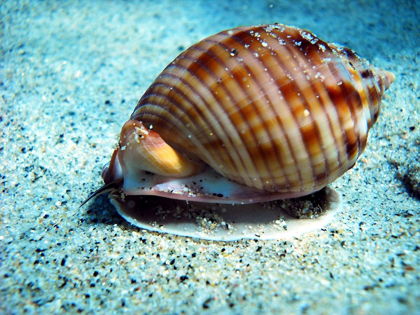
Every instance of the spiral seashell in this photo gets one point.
(249, 114)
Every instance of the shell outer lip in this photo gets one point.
(207, 186)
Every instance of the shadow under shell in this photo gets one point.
(280, 219)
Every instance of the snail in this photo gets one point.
(248, 115)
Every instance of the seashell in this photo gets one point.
(248, 115)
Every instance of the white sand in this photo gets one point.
(71, 75)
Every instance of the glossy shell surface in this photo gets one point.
(242, 118)
(271, 107)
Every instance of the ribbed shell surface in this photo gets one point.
(272, 107)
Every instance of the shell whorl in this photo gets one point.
(272, 107)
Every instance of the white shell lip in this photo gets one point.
(223, 222)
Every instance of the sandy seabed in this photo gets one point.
(71, 74)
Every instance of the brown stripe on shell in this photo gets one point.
(195, 67)
(232, 99)
(227, 93)
(352, 98)
(246, 114)
(308, 54)
(356, 99)
(372, 90)
(344, 112)
(203, 109)
(308, 127)
(177, 129)
(262, 78)
(269, 86)
(323, 78)
(252, 84)
(291, 101)
(318, 129)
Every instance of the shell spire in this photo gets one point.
(385, 77)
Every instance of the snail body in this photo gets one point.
(272, 108)
(247, 115)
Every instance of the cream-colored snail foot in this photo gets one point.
(224, 222)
